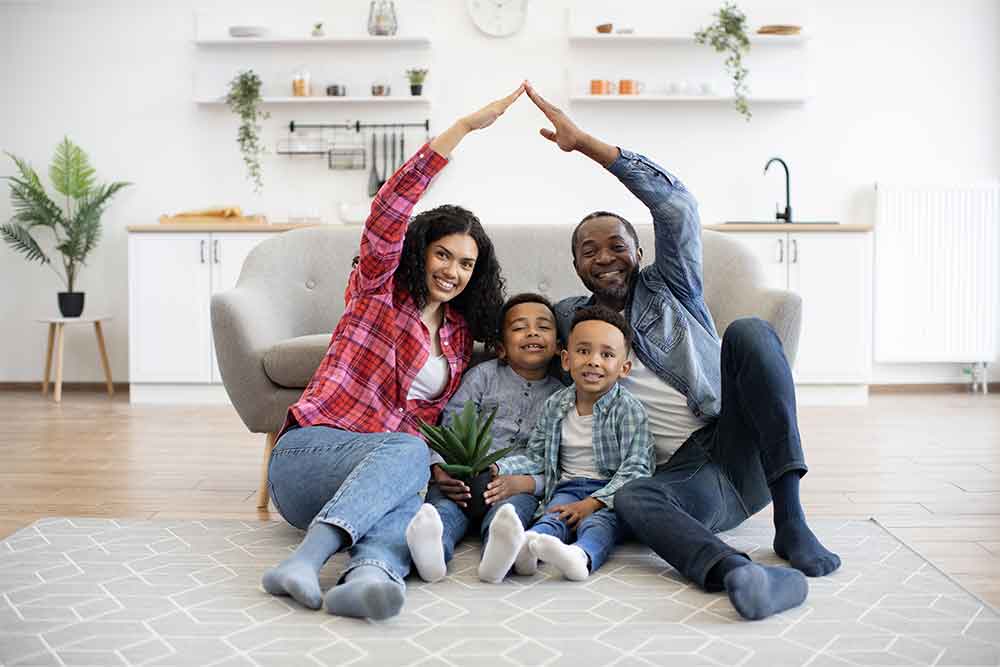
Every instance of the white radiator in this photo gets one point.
(936, 255)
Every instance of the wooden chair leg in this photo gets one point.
(262, 495)
(104, 358)
(48, 359)
(60, 343)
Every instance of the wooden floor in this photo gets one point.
(927, 466)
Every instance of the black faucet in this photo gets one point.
(787, 215)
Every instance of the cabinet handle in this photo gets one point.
(203, 251)
(795, 251)
(215, 251)
(781, 251)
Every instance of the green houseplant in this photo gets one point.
(416, 78)
(465, 446)
(244, 100)
(728, 34)
(75, 223)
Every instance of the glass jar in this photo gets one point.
(301, 86)
(382, 18)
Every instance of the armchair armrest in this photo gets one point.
(246, 322)
(781, 308)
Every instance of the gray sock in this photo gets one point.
(759, 591)
(298, 575)
(367, 592)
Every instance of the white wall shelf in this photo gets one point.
(652, 39)
(353, 40)
(316, 99)
(645, 99)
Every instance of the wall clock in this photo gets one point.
(497, 18)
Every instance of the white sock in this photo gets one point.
(423, 536)
(526, 563)
(506, 538)
(569, 559)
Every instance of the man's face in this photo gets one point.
(607, 258)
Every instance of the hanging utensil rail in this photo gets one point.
(357, 126)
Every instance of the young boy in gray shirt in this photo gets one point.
(516, 384)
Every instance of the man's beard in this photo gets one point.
(617, 293)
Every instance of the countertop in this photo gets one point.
(221, 227)
(783, 227)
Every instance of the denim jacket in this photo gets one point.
(675, 336)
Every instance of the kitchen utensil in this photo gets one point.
(779, 29)
(605, 28)
(385, 158)
(381, 90)
(336, 90)
(374, 183)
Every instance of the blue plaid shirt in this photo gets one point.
(623, 448)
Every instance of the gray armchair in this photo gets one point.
(272, 330)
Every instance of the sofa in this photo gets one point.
(272, 330)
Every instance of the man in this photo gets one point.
(722, 415)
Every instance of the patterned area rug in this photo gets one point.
(120, 592)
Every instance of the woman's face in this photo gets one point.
(449, 261)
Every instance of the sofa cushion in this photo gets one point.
(292, 362)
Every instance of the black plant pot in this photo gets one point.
(477, 487)
(416, 89)
(70, 303)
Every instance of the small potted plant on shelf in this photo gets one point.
(317, 30)
(76, 225)
(728, 34)
(416, 77)
(465, 446)
(244, 100)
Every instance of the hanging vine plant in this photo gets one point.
(244, 100)
(728, 34)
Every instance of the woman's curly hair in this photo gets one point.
(481, 300)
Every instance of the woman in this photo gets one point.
(349, 465)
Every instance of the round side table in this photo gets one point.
(56, 338)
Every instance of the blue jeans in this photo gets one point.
(597, 534)
(456, 523)
(721, 475)
(367, 484)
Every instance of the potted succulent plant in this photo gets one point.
(465, 446)
(416, 77)
(76, 224)
(728, 34)
(244, 100)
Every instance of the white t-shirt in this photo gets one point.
(576, 453)
(431, 381)
(671, 421)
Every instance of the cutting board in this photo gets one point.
(214, 219)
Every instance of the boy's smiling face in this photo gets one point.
(529, 338)
(596, 356)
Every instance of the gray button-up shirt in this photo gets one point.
(518, 402)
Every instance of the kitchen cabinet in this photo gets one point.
(831, 270)
(172, 277)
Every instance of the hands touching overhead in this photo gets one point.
(564, 133)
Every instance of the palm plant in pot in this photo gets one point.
(75, 225)
(465, 446)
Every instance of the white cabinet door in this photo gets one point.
(169, 328)
(832, 273)
(771, 248)
(228, 252)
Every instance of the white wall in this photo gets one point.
(904, 91)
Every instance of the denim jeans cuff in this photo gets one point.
(702, 579)
(339, 523)
(380, 564)
(788, 467)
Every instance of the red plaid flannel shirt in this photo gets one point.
(380, 344)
